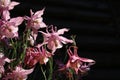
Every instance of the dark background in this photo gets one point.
(96, 24)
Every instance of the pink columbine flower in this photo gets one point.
(35, 21)
(9, 28)
(77, 63)
(44, 55)
(35, 55)
(31, 57)
(5, 6)
(18, 74)
(54, 39)
(3, 60)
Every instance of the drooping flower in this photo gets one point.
(18, 74)
(3, 60)
(35, 55)
(77, 63)
(44, 55)
(31, 57)
(54, 39)
(35, 21)
(9, 28)
(5, 6)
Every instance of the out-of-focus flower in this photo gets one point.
(54, 39)
(77, 63)
(35, 21)
(3, 60)
(9, 28)
(5, 6)
(18, 74)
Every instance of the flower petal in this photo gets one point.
(6, 15)
(65, 40)
(12, 4)
(61, 31)
(39, 13)
(17, 20)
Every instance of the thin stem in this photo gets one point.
(43, 72)
(73, 38)
(50, 69)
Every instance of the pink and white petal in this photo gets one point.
(16, 34)
(42, 25)
(61, 31)
(26, 72)
(12, 4)
(17, 20)
(87, 60)
(39, 20)
(65, 40)
(7, 60)
(39, 13)
(31, 12)
(6, 15)
(13, 29)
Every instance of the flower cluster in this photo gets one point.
(21, 52)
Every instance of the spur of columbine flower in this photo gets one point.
(9, 28)
(77, 63)
(18, 74)
(54, 39)
(5, 6)
(3, 60)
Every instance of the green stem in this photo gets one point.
(43, 72)
(25, 45)
(50, 69)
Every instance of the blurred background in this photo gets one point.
(96, 23)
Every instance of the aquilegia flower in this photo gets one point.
(5, 6)
(35, 21)
(77, 63)
(54, 39)
(9, 28)
(35, 55)
(18, 74)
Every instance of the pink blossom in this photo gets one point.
(35, 55)
(44, 55)
(5, 6)
(9, 28)
(54, 39)
(18, 74)
(3, 60)
(35, 21)
(77, 63)
(31, 57)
